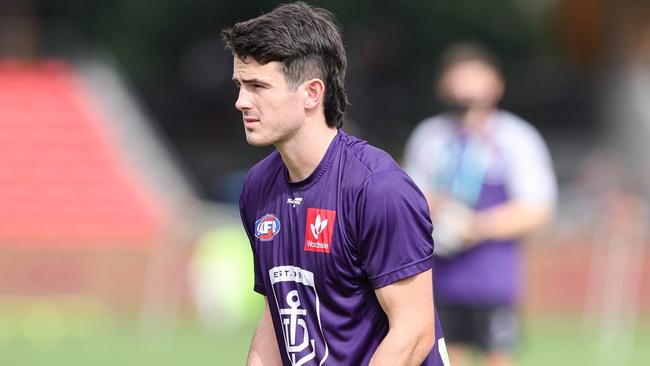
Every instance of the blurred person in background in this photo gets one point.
(341, 236)
(489, 180)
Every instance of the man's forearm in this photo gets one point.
(401, 348)
(504, 221)
(510, 220)
(264, 346)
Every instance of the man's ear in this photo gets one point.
(315, 89)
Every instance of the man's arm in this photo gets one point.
(264, 349)
(511, 219)
(408, 303)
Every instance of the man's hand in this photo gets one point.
(457, 227)
(453, 227)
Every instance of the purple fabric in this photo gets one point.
(321, 247)
(487, 274)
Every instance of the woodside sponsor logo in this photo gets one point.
(319, 229)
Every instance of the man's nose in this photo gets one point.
(243, 100)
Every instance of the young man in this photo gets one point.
(341, 236)
(488, 177)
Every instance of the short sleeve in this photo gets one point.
(258, 286)
(394, 229)
(530, 176)
(416, 161)
(425, 149)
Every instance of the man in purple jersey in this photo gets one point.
(341, 236)
(489, 180)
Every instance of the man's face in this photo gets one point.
(272, 112)
(471, 85)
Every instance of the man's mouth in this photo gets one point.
(251, 119)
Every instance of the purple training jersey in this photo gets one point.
(322, 246)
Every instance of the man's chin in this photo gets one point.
(257, 142)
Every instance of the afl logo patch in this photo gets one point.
(267, 227)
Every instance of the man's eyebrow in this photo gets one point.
(250, 81)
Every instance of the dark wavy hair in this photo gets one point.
(308, 43)
(467, 51)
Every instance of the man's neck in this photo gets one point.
(304, 151)
(477, 121)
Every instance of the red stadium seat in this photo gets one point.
(62, 178)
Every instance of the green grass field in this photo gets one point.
(547, 342)
(568, 342)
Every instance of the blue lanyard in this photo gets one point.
(463, 175)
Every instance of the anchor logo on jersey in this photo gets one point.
(292, 326)
(298, 304)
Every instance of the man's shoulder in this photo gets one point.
(263, 171)
(513, 129)
(364, 158)
(270, 162)
(432, 131)
(437, 123)
(370, 169)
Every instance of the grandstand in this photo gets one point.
(90, 198)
